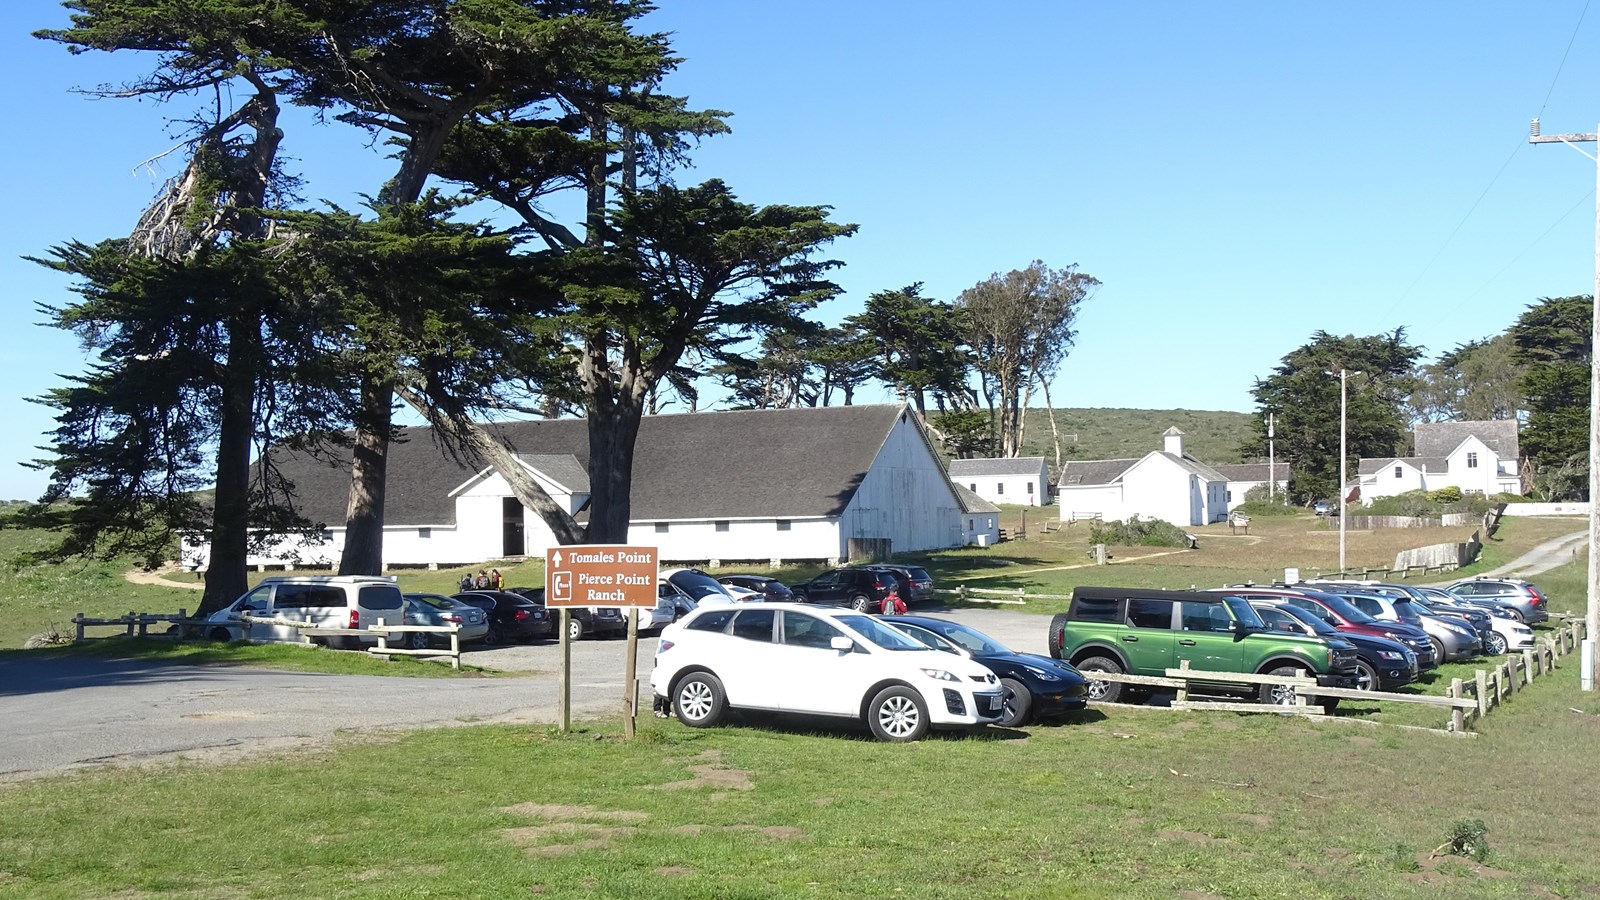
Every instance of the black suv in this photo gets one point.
(859, 587)
(916, 585)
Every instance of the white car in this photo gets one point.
(789, 657)
(1507, 627)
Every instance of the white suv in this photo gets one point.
(789, 657)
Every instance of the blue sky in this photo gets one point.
(1239, 175)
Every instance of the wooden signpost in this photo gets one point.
(601, 575)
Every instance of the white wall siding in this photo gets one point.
(905, 497)
(745, 539)
(1105, 499)
(1157, 488)
(1013, 489)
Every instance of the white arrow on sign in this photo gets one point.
(558, 557)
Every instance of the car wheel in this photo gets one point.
(700, 701)
(897, 714)
(1367, 677)
(799, 597)
(1438, 649)
(574, 629)
(494, 635)
(1058, 622)
(1496, 643)
(861, 603)
(1018, 701)
(417, 640)
(1516, 614)
(1102, 691)
(220, 635)
(1280, 694)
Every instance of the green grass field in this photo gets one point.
(1113, 803)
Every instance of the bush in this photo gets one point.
(1428, 504)
(1137, 532)
(1258, 503)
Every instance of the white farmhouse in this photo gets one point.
(1024, 481)
(1477, 457)
(1243, 477)
(1163, 484)
(980, 519)
(817, 483)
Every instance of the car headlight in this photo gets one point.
(939, 675)
(1395, 655)
(1043, 674)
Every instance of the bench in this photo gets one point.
(1236, 523)
(1075, 517)
(1193, 539)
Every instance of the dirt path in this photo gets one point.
(1083, 565)
(1544, 557)
(159, 576)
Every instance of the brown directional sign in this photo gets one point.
(600, 575)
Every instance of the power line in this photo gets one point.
(1563, 64)
(1490, 280)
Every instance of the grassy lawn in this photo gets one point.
(1126, 803)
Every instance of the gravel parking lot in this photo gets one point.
(69, 713)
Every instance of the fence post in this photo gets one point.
(1458, 716)
(455, 646)
(128, 620)
(183, 623)
(383, 641)
(78, 621)
(1483, 693)
(1511, 674)
(961, 592)
(1183, 690)
(1527, 665)
(1021, 597)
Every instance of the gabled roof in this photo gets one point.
(1442, 438)
(1420, 463)
(1093, 471)
(972, 503)
(1193, 466)
(562, 468)
(1022, 465)
(781, 463)
(1253, 471)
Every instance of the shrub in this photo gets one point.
(1137, 532)
(1447, 494)
(1467, 839)
(1428, 504)
(1257, 503)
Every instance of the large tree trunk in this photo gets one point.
(369, 475)
(1055, 431)
(471, 438)
(612, 435)
(226, 568)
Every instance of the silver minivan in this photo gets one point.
(325, 601)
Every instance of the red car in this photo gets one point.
(1341, 614)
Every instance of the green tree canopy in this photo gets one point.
(1553, 341)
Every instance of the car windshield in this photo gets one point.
(970, 639)
(698, 585)
(1318, 625)
(880, 634)
(435, 601)
(1343, 608)
(1244, 614)
(1407, 613)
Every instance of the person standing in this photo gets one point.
(483, 580)
(496, 580)
(466, 582)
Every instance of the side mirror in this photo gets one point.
(842, 644)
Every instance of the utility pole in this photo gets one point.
(1272, 463)
(1344, 459)
(1592, 621)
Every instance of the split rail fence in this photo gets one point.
(138, 624)
(1467, 701)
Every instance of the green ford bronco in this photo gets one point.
(1146, 632)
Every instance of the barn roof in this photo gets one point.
(782, 463)
(991, 466)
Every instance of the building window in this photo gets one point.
(424, 532)
(327, 536)
(722, 525)
(973, 487)
(1000, 488)
(1230, 496)
(783, 524)
(1030, 488)
(1472, 460)
(1399, 472)
(661, 528)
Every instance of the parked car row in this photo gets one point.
(864, 587)
(900, 675)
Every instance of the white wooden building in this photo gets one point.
(1022, 481)
(1243, 477)
(752, 485)
(1477, 457)
(1163, 484)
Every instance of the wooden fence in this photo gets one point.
(1015, 597)
(138, 624)
(1467, 701)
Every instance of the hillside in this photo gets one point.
(1210, 436)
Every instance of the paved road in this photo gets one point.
(67, 713)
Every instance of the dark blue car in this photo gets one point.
(1035, 686)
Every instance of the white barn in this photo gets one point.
(1024, 481)
(1163, 484)
(753, 485)
(980, 519)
